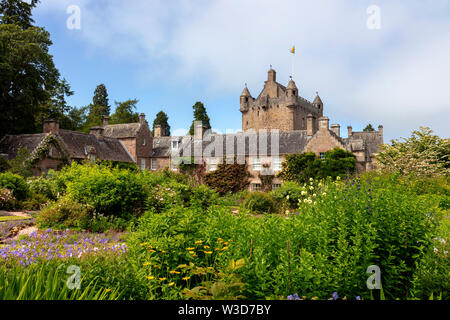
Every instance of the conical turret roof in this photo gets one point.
(317, 100)
(291, 85)
(245, 92)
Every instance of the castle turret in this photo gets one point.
(271, 75)
(318, 103)
(291, 89)
(245, 97)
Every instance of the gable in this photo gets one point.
(323, 141)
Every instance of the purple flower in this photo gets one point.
(335, 296)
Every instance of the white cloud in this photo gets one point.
(398, 75)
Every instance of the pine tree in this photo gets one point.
(17, 12)
(200, 115)
(163, 120)
(99, 106)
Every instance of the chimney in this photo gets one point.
(324, 123)
(199, 130)
(51, 126)
(105, 121)
(271, 75)
(158, 131)
(97, 132)
(142, 118)
(349, 128)
(336, 128)
(310, 125)
(380, 131)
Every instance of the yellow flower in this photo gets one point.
(151, 251)
(150, 277)
(162, 279)
(108, 290)
(216, 249)
(199, 242)
(190, 249)
(224, 248)
(144, 244)
(207, 252)
(163, 251)
(191, 252)
(225, 243)
(194, 255)
(220, 239)
(171, 284)
(206, 247)
(186, 278)
(229, 240)
(172, 272)
(146, 264)
(155, 266)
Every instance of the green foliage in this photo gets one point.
(125, 112)
(260, 202)
(369, 128)
(228, 178)
(4, 165)
(21, 163)
(290, 192)
(46, 282)
(163, 120)
(16, 184)
(302, 167)
(423, 154)
(98, 108)
(44, 186)
(17, 12)
(7, 200)
(199, 115)
(28, 77)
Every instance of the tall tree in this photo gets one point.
(17, 12)
(125, 112)
(99, 106)
(163, 120)
(28, 77)
(200, 115)
(369, 128)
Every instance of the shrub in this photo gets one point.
(7, 200)
(66, 213)
(228, 178)
(44, 186)
(35, 202)
(259, 202)
(289, 192)
(16, 184)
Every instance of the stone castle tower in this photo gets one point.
(279, 107)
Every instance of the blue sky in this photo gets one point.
(170, 54)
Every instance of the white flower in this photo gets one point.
(311, 179)
(304, 193)
(436, 250)
(338, 178)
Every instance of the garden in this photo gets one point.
(99, 231)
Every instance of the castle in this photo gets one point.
(276, 123)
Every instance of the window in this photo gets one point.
(153, 164)
(175, 145)
(144, 142)
(92, 157)
(322, 156)
(142, 164)
(256, 163)
(212, 164)
(50, 152)
(276, 164)
(276, 186)
(256, 186)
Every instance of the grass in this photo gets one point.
(13, 218)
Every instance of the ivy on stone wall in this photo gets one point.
(43, 150)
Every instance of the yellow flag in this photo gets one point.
(293, 50)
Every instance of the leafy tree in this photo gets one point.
(302, 167)
(199, 115)
(17, 12)
(423, 154)
(124, 112)
(99, 106)
(4, 165)
(369, 128)
(20, 164)
(28, 77)
(75, 119)
(163, 120)
(228, 178)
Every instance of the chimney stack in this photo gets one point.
(199, 130)
(336, 128)
(142, 118)
(105, 121)
(324, 123)
(51, 126)
(380, 131)
(158, 131)
(97, 132)
(349, 128)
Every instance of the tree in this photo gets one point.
(17, 12)
(28, 77)
(369, 128)
(20, 164)
(228, 178)
(163, 120)
(302, 167)
(199, 115)
(99, 106)
(423, 154)
(124, 112)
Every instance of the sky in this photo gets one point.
(379, 61)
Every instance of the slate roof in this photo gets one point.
(121, 131)
(10, 144)
(372, 140)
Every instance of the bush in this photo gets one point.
(16, 184)
(228, 178)
(259, 202)
(7, 200)
(44, 186)
(66, 213)
(289, 192)
(36, 202)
